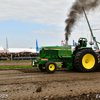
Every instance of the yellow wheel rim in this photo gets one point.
(51, 67)
(88, 61)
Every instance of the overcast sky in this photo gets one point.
(24, 21)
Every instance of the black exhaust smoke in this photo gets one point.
(76, 12)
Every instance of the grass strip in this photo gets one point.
(20, 67)
(15, 67)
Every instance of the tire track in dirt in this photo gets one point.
(60, 84)
(21, 84)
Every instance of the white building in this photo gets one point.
(19, 50)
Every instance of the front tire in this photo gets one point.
(50, 67)
(42, 67)
(86, 61)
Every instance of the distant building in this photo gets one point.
(22, 50)
(18, 50)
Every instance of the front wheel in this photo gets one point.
(50, 67)
(42, 67)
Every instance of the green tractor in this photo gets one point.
(80, 57)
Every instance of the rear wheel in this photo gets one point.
(86, 60)
(42, 67)
(50, 67)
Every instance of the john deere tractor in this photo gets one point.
(78, 57)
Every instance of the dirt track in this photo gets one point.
(31, 84)
(16, 63)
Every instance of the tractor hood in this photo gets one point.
(56, 48)
(55, 51)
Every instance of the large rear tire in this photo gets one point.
(86, 61)
(50, 67)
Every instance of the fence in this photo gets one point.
(19, 58)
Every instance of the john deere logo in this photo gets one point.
(64, 54)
